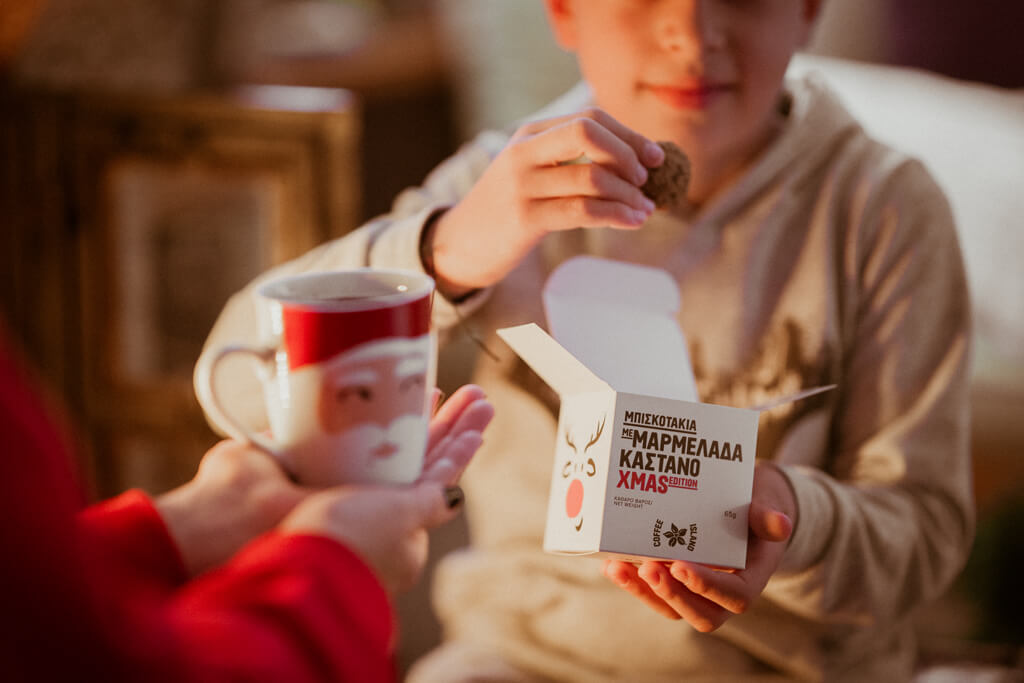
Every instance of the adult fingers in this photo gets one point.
(472, 421)
(475, 418)
(451, 457)
(449, 411)
(426, 505)
(241, 465)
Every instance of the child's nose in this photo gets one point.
(689, 26)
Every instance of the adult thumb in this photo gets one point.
(432, 504)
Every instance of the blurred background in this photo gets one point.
(158, 154)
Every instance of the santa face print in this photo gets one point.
(373, 404)
(579, 467)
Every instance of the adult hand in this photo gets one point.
(238, 493)
(387, 525)
(704, 596)
(456, 432)
(531, 189)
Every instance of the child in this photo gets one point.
(809, 255)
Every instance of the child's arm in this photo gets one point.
(891, 522)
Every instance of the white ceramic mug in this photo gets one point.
(347, 376)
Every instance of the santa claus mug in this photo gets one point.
(347, 374)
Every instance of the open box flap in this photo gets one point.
(555, 365)
(619, 320)
(790, 398)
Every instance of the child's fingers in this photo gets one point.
(732, 592)
(645, 151)
(585, 180)
(567, 213)
(625, 576)
(698, 611)
(584, 137)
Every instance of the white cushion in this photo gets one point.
(971, 137)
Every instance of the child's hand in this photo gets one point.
(706, 597)
(530, 190)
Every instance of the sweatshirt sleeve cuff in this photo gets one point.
(130, 528)
(815, 517)
(399, 247)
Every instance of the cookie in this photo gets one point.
(666, 184)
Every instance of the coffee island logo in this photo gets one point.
(666, 452)
(674, 536)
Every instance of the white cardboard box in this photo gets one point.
(642, 468)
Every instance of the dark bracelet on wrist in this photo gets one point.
(427, 243)
(427, 254)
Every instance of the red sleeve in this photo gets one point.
(131, 537)
(90, 595)
(287, 608)
(52, 620)
(295, 608)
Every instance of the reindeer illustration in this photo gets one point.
(578, 466)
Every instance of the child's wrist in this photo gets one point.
(780, 493)
(452, 293)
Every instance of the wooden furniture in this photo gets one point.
(131, 219)
(401, 75)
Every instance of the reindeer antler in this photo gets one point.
(569, 441)
(596, 436)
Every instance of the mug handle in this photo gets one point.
(235, 429)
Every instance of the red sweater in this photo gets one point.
(100, 593)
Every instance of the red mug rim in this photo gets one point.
(409, 285)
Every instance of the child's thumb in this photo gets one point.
(768, 523)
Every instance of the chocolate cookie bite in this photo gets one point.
(666, 184)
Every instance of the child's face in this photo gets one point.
(705, 74)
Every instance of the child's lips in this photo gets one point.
(698, 95)
(385, 450)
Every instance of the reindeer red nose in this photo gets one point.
(574, 498)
